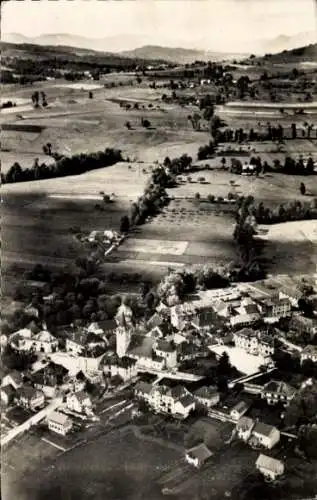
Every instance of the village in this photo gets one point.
(242, 356)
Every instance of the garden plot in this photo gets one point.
(154, 246)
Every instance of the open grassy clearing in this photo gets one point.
(270, 188)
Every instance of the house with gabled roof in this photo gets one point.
(270, 467)
(79, 402)
(244, 428)
(13, 378)
(166, 350)
(277, 391)
(7, 393)
(239, 410)
(198, 455)
(59, 422)
(264, 435)
(207, 396)
(29, 397)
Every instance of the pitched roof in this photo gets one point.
(143, 387)
(155, 320)
(201, 452)
(245, 423)
(15, 376)
(59, 418)
(246, 332)
(279, 387)
(81, 396)
(178, 391)
(28, 392)
(187, 400)
(241, 406)
(263, 429)
(164, 345)
(269, 463)
(8, 389)
(206, 392)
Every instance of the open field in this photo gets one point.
(119, 467)
(74, 123)
(36, 229)
(37, 226)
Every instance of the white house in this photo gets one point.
(244, 428)
(166, 350)
(270, 467)
(177, 402)
(198, 455)
(79, 402)
(239, 410)
(207, 396)
(59, 423)
(43, 341)
(264, 435)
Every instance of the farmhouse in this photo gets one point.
(276, 391)
(30, 398)
(198, 455)
(264, 435)
(59, 423)
(79, 402)
(270, 467)
(239, 410)
(207, 396)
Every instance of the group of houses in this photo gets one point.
(178, 401)
(271, 468)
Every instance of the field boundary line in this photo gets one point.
(54, 444)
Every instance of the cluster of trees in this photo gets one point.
(294, 166)
(64, 165)
(78, 295)
(248, 249)
(290, 166)
(206, 151)
(269, 133)
(177, 284)
(285, 212)
(36, 97)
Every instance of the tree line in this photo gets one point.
(64, 165)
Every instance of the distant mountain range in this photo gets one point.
(122, 44)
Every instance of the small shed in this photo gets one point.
(198, 455)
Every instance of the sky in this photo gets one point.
(221, 25)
